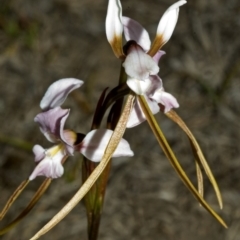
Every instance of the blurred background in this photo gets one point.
(43, 41)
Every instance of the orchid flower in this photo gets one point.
(154, 96)
(141, 62)
(116, 24)
(51, 122)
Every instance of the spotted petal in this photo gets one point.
(58, 92)
(95, 143)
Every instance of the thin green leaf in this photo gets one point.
(111, 147)
(171, 157)
(29, 207)
(198, 153)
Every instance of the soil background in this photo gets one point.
(43, 41)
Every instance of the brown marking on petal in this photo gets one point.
(156, 45)
(116, 45)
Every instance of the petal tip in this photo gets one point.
(58, 91)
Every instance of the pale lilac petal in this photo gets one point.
(138, 64)
(135, 31)
(137, 116)
(52, 122)
(39, 152)
(95, 143)
(168, 21)
(166, 99)
(139, 87)
(50, 166)
(114, 27)
(158, 55)
(156, 83)
(58, 92)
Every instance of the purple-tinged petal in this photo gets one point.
(52, 122)
(166, 99)
(135, 31)
(137, 116)
(138, 64)
(58, 92)
(156, 83)
(158, 55)
(137, 86)
(94, 144)
(114, 27)
(39, 152)
(51, 165)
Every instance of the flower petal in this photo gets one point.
(166, 99)
(168, 21)
(156, 83)
(52, 122)
(137, 116)
(51, 165)
(69, 137)
(58, 92)
(138, 64)
(158, 55)
(114, 27)
(135, 31)
(166, 27)
(139, 87)
(39, 152)
(95, 143)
